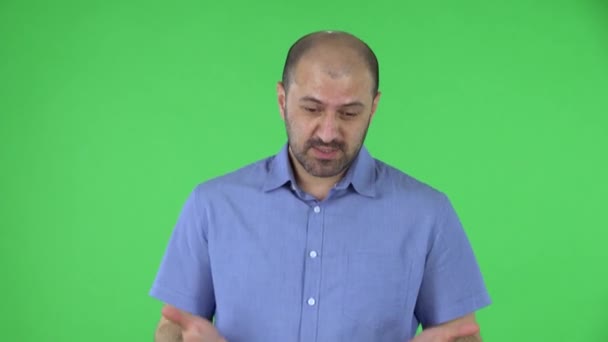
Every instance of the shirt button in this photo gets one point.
(311, 301)
(317, 209)
(313, 254)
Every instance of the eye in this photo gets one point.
(310, 109)
(349, 114)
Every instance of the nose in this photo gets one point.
(328, 129)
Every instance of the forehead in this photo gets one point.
(332, 77)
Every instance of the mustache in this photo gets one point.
(334, 144)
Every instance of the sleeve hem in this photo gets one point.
(460, 309)
(189, 304)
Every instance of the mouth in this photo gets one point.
(322, 152)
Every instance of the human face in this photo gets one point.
(327, 115)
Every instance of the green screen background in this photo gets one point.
(112, 111)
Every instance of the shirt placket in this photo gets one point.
(312, 274)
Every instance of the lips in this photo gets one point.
(326, 149)
(325, 152)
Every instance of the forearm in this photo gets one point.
(168, 332)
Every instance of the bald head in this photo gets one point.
(338, 53)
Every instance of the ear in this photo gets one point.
(281, 99)
(375, 103)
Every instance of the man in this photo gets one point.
(320, 242)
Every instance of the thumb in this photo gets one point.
(179, 318)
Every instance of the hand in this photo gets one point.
(447, 333)
(194, 328)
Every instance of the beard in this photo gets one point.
(323, 168)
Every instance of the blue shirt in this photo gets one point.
(380, 255)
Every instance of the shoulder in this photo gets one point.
(250, 176)
(398, 185)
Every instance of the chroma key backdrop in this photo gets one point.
(112, 111)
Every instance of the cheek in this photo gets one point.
(354, 133)
(298, 123)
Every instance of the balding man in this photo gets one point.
(320, 242)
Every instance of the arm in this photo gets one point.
(452, 287)
(184, 276)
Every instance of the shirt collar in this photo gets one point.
(361, 174)
(279, 170)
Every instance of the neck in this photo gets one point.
(318, 187)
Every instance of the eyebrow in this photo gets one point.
(315, 100)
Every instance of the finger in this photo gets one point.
(447, 333)
(464, 330)
(176, 316)
(457, 331)
(429, 335)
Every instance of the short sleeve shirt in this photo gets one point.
(380, 255)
